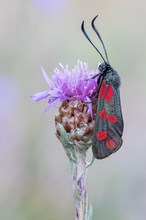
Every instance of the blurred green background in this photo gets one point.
(35, 178)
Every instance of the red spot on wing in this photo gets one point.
(109, 93)
(101, 135)
(109, 118)
(110, 144)
(112, 118)
(102, 114)
(102, 90)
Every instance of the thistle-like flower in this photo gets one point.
(76, 89)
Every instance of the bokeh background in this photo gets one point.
(35, 178)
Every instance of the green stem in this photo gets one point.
(79, 181)
(76, 153)
(82, 210)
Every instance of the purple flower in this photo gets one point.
(75, 84)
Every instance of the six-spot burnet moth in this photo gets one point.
(108, 128)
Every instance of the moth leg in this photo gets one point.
(93, 77)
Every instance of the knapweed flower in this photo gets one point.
(75, 89)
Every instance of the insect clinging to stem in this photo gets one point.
(108, 127)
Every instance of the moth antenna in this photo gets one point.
(96, 31)
(86, 35)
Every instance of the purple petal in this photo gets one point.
(90, 106)
(39, 96)
(47, 78)
(52, 105)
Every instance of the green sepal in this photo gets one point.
(66, 142)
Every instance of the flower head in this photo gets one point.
(75, 84)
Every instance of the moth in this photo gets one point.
(108, 128)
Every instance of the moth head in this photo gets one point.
(103, 67)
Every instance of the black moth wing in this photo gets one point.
(108, 128)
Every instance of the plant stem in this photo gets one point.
(76, 153)
(79, 181)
